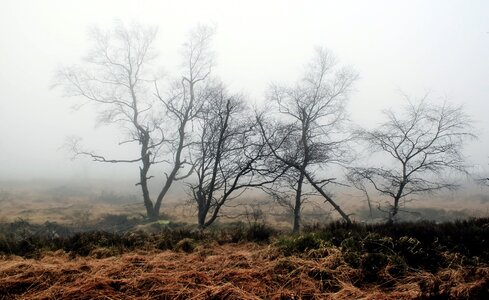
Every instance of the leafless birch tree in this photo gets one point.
(309, 136)
(184, 100)
(420, 145)
(227, 156)
(117, 76)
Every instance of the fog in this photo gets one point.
(397, 47)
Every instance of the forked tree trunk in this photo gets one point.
(143, 176)
(395, 208)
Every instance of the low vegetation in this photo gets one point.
(247, 261)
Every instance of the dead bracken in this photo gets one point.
(230, 271)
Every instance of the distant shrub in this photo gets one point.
(83, 243)
(241, 232)
(168, 238)
(259, 232)
(299, 244)
(112, 219)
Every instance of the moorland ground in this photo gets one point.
(65, 244)
(420, 260)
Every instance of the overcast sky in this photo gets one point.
(409, 46)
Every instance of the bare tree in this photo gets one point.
(115, 76)
(227, 155)
(310, 135)
(423, 142)
(184, 100)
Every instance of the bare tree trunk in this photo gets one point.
(213, 217)
(331, 201)
(143, 175)
(392, 212)
(398, 196)
(395, 209)
(173, 174)
(203, 211)
(184, 118)
(297, 206)
(201, 216)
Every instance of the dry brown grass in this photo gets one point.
(232, 271)
(81, 203)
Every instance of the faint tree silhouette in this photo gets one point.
(419, 145)
(115, 76)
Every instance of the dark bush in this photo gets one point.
(259, 232)
(168, 238)
(186, 245)
(241, 232)
(83, 243)
(372, 253)
(421, 244)
(299, 244)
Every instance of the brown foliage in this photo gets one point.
(232, 271)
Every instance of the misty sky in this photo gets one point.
(408, 46)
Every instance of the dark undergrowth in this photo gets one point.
(28, 240)
(469, 238)
(424, 245)
(399, 247)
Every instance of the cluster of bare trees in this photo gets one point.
(294, 148)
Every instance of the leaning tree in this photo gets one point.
(419, 146)
(308, 137)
